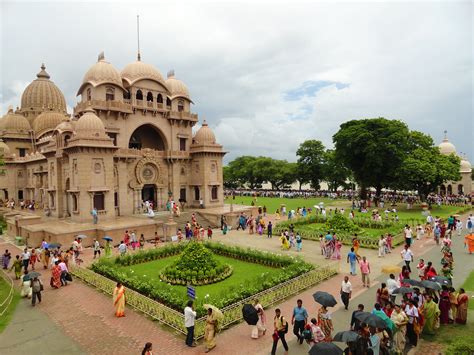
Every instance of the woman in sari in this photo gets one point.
(17, 265)
(453, 300)
(56, 276)
(444, 305)
(430, 313)
(463, 301)
(108, 249)
(6, 259)
(356, 245)
(285, 245)
(259, 329)
(325, 323)
(119, 300)
(400, 319)
(210, 332)
(45, 256)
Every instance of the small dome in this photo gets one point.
(4, 148)
(100, 73)
(466, 166)
(138, 70)
(42, 94)
(65, 126)
(176, 87)
(446, 147)
(89, 124)
(204, 135)
(47, 121)
(14, 122)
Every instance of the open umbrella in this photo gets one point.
(371, 320)
(325, 349)
(430, 284)
(391, 269)
(250, 314)
(82, 236)
(403, 290)
(442, 280)
(107, 238)
(346, 336)
(54, 245)
(413, 282)
(219, 316)
(31, 275)
(325, 299)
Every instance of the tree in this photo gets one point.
(425, 168)
(230, 181)
(310, 162)
(243, 172)
(373, 149)
(334, 171)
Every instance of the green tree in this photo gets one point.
(243, 172)
(230, 181)
(424, 167)
(373, 149)
(334, 171)
(310, 162)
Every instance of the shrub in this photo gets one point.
(460, 346)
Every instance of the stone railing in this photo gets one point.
(232, 313)
(104, 105)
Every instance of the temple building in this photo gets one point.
(129, 139)
(463, 186)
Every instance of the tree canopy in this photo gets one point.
(310, 163)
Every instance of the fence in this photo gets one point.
(232, 313)
(8, 300)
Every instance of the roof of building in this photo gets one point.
(14, 122)
(47, 121)
(204, 135)
(176, 87)
(139, 70)
(101, 73)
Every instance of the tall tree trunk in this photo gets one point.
(363, 192)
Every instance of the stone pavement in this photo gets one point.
(85, 316)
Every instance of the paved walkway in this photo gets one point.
(85, 316)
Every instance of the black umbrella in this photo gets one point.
(325, 299)
(31, 275)
(403, 290)
(54, 245)
(325, 349)
(430, 284)
(250, 314)
(442, 280)
(413, 282)
(346, 336)
(371, 320)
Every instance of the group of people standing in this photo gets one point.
(330, 246)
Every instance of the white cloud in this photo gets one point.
(404, 60)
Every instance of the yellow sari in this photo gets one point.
(119, 301)
(210, 332)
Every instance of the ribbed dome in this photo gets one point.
(176, 87)
(4, 148)
(204, 135)
(47, 121)
(42, 94)
(446, 147)
(100, 73)
(14, 122)
(89, 124)
(65, 126)
(466, 166)
(138, 70)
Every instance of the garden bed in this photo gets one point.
(267, 276)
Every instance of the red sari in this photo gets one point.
(56, 277)
(461, 314)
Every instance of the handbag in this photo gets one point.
(275, 336)
(68, 277)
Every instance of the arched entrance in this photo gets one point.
(147, 136)
(149, 193)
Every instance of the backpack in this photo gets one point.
(307, 334)
(286, 324)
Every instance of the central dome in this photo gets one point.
(42, 94)
(101, 72)
(138, 70)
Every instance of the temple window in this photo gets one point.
(109, 94)
(139, 95)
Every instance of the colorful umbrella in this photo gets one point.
(403, 290)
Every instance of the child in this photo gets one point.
(299, 242)
(209, 232)
(292, 240)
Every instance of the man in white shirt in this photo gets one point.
(189, 317)
(408, 234)
(407, 256)
(346, 291)
(96, 248)
(64, 271)
(122, 248)
(392, 285)
(25, 259)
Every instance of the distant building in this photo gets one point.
(129, 140)
(463, 186)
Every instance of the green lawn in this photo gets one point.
(364, 232)
(4, 290)
(468, 285)
(243, 273)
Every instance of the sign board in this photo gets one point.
(191, 292)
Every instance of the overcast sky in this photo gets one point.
(265, 76)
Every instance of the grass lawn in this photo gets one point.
(243, 272)
(4, 290)
(468, 285)
(364, 232)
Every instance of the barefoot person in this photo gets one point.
(119, 300)
(210, 332)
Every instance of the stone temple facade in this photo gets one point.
(463, 186)
(128, 140)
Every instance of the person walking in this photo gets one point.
(122, 248)
(25, 259)
(96, 248)
(352, 260)
(147, 350)
(382, 246)
(298, 320)
(17, 265)
(36, 288)
(189, 318)
(270, 229)
(95, 215)
(119, 300)
(408, 234)
(407, 256)
(365, 271)
(346, 291)
(392, 285)
(281, 328)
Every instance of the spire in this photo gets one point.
(445, 136)
(43, 73)
(171, 74)
(138, 38)
(101, 56)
